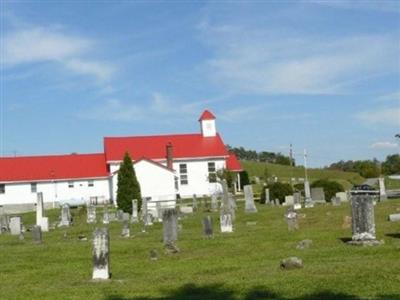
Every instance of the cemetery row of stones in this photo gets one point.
(362, 223)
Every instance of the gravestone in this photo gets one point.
(343, 196)
(45, 224)
(382, 190)
(317, 194)
(186, 209)
(277, 202)
(65, 215)
(36, 234)
(249, 198)
(363, 220)
(134, 217)
(394, 217)
(289, 200)
(267, 200)
(170, 226)
(15, 225)
(39, 208)
(125, 217)
(194, 205)
(208, 226)
(307, 193)
(297, 201)
(158, 212)
(291, 219)
(147, 220)
(91, 214)
(106, 215)
(214, 203)
(232, 206)
(226, 222)
(4, 223)
(335, 201)
(101, 254)
(125, 229)
(120, 215)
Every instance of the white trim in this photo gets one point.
(54, 180)
(175, 159)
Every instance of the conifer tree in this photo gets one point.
(128, 187)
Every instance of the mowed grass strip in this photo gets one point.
(242, 265)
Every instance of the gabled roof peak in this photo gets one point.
(207, 115)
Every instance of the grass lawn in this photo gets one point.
(242, 265)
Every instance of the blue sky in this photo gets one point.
(324, 76)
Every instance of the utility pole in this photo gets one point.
(291, 164)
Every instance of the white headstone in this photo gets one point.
(250, 207)
(15, 225)
(65, 215)
(318, 195)
(342, 196)
(382, 190)
(44, 224)
(134, 217)
(267, 200)
(39, 208)
(101, 254)
(226, 223)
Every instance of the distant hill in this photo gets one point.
(284, 173)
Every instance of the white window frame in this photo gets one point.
(183, 174)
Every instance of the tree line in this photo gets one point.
(263, 156)
(370, 168)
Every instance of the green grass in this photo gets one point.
(392, 183)
(242, 265)
(284, 173)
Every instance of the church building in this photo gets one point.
(166, 166)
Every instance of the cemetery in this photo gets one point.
(224, 247)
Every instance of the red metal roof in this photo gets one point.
(206, 115)
(154, 147)
(232, 163)
(52, 167)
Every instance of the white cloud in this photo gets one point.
(385, 116)
(384, 145)
(46, 44)
(258, 61)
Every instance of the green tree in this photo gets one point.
(391, 165)
(128, 187)
(244, 179)
(330, 187)
(277, 190)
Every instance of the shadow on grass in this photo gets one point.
(393, 235)
(218, 292)
(345, 239)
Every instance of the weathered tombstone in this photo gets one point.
(134, 217)
(382, 190)
(346, 222)
(394, 217)
(335, 201)
(147, 220)
(101, 254)
(267, 200)
(250, 207)
(226, 222)
(232, 206)
(291, 219)
(125, 229)
(158, 212)
(214, 203)
(125, 217)
(91, 214)
(65, 215)
(277, 202)
(4, 223)
(289, 200)
(297, 201)
(120, 215)
(186, 209)
(208, 226)
(36, 234)
(225, 196)
(106, 216)
(363, 221)
(194, 202)
(39, 208)
(318, 195)
(170, 226)
(15, 225)
(44, 224)
(291, 263)
(308, 201)
(343, 196)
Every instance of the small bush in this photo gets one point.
(244, 179)
(330, 188)
(277, 190)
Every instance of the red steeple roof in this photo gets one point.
(232, 163)
(207, 115)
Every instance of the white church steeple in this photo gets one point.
(207, 124)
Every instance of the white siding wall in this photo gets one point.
(20, 193)
(155, 181)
